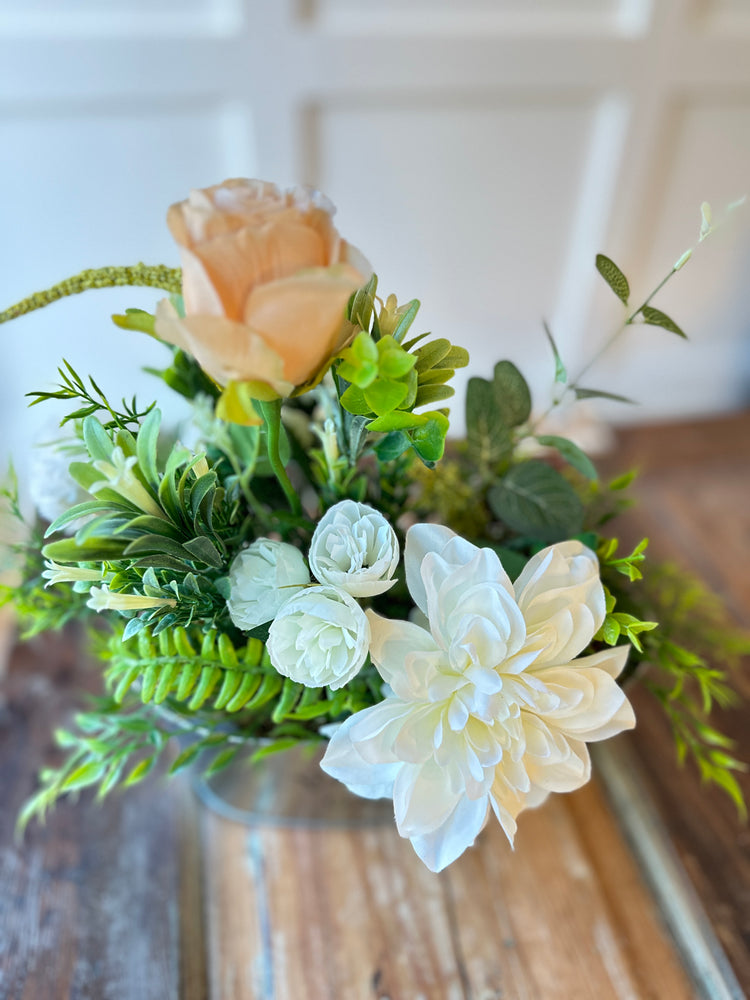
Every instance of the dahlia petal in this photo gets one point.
(423, 798)
(441, 846)
(592, 704)
(421, 539)
(562, 598)
(366, 779)
(391, 644)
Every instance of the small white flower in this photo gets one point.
(354, 548)
(119, 476)
(319, 637)
(54, 573)
(489, 710)
(262, 577)
(102, 599)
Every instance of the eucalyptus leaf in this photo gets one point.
(614, 277)
(512, 395)
(533, 499)
(572, 454)
(488, 438)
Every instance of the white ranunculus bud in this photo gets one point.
(320, 638)
(262, 577)
(354, 548)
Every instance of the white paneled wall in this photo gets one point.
(480, 153)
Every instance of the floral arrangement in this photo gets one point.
(313, 569)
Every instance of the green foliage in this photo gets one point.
(690, 656)
(494, 410)
(561, 372)
(614, 277)
(655, 317)
(630, 565)
(570, 452)
(186, 377)
(383, 380)
(197, 671)
(72, 387)
(533, 499)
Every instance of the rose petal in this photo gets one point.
(302, 317)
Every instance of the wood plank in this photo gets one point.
(693, 504)
(355, 914)
(89, 903)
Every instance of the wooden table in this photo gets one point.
(151, 896)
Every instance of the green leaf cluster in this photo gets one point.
(688, 660)
(383, 378)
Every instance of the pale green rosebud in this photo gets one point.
(102, 599)
(54, 573)
(119, 476)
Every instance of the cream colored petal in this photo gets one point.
(395, 647)
(444, 845)
(592, 705)
(421, 539)
(198, 292)
(343, 761)
(611, 660)
(562, 600)
(301, 318)
(168, 325)
(239, 261)
(227, 351)
(553, 761)
(423, 798)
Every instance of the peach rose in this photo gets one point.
(266, 279)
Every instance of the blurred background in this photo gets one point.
(480, 153)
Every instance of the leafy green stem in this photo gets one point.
(271, 412)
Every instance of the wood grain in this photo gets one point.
(150, 896)
(89, 903)
(694, 504)
(354, 914)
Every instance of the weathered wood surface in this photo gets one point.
(96, 904)
(694, 493)
(149, 896)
